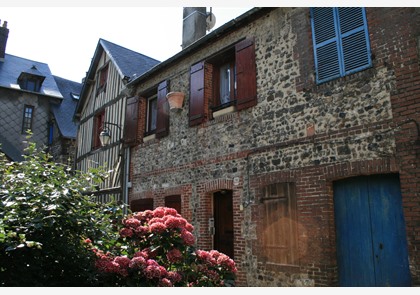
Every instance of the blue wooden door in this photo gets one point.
(370, 232)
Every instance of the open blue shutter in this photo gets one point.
(341, 41)
(162, 124)
(354, 39)
(326, 44)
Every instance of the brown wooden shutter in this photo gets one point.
(196, 114)
(162, 124)
(141, 205)
(173, 202)
(131, 121)
(246, 75)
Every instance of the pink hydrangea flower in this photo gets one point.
(165, 283)
(174, 276)
(174, 255)
(157, 227)
(132, 223)
(126, 232)
(122, 261)
(171, 211)
(159, 212)
(187, 237)
(137, 262)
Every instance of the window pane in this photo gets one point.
(225, 78)
(152, 114)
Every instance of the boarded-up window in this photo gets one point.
(279, 230)
(131, 118)
(141, 205)
(173, 202)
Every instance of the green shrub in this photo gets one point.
(44, 220)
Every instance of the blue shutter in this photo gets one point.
(354, 39)
(341, 41)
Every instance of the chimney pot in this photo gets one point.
(4, 33)
(193, 25)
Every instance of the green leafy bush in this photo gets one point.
(44, 220)
(53, 234)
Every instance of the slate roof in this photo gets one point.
(13, 66)
(130, 64)
(64, 112)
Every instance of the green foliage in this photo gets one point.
(45, 218)
(53, 234)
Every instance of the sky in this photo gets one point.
(65, 33)
(66, 37)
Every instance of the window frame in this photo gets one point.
(343, 51)
(27, 121)
(149, 111)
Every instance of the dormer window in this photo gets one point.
(31, 79)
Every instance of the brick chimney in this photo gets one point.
(4, 33)
(193, 25)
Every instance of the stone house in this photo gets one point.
(296, 149)
(31, 98)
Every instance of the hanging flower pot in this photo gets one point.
(175, 100)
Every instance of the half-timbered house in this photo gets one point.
(101, 109)
(296, 148)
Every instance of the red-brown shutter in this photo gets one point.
(162, 124)
(131, 121)
(196, 113)
(246, 75)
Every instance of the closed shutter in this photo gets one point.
(341, 41)
(162, 124)
(354, 39)
(246, 78)
(131, 121)
(196, 112)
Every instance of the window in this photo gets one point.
(151, 115)
(50, 133)
(157, 111)
(279, 230)
(98, 123)
(341, 42)
(31, 79)
(173, 202)
(28, 114)
(226, 79)
(102, 79)
(141, 205)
